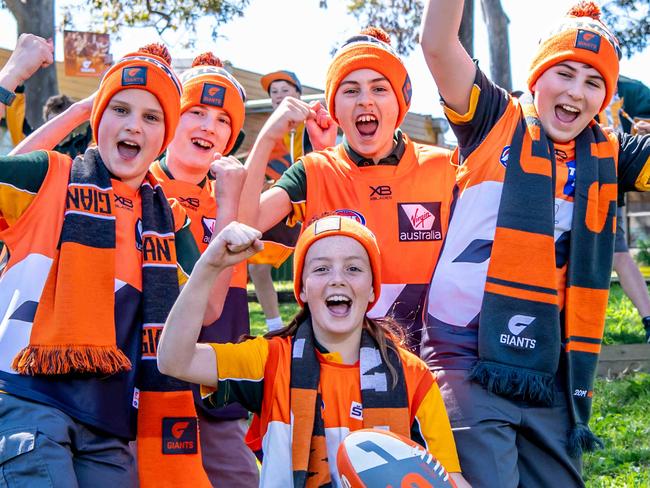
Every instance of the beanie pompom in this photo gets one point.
(207, 59)
(585, 8)
(157, 49)
(377, 33)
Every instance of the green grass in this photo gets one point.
(258, 325)
(621, 417)
(623, 324)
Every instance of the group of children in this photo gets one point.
(404, 247)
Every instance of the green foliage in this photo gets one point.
(643, 256)
(630, 21)
(620, 417)
(258, 324)
(160, 14)
(622, 323)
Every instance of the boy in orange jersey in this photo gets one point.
(212, 115)
(401, 190)
(96, 255)
(333, 370)
(280, 239)
(519, 295)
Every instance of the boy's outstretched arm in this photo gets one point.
(179, 354)
(286, 116)
(56, 129)
(452, 68)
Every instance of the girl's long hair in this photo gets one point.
(386, 332)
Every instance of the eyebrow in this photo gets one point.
(571, 68)
(375, 80)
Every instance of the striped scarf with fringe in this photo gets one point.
(521, 290)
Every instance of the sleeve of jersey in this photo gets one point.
(240, 369)
(187, 252)
(431, 425)
(294, 182)
(634, 163)
(21, 178)
(487, 104)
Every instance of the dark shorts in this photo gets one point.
(620, 242)
(40, 446)
(507, 444)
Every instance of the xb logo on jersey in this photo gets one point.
(516, 325)
(381, 192)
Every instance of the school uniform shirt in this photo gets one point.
(405, 200)
(256, 373)
(457, 287)
(201, 207)
(32, 203)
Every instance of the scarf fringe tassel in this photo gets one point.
(582, 439)
(514, 382)
(70, 359)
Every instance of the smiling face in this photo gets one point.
(279, 90)
(202, 131)
(568, 96)
(367, 110)
(337, 285)
(130, 135)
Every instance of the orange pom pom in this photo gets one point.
(377, 33)
(585, 8)
(207, 59)
(157, 49)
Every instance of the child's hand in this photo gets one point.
(235, 243)
(290, 113)
(321, 127)
(230, 176)
(86, 105)
(642, 127)
(32, 52)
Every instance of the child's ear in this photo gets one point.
(372, 295)
(303, 295)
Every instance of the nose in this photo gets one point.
(337, 277)
(364, 99)
(133, 124)
(575, 90)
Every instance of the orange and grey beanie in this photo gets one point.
(147, 69)
(284, 75)
(336, 225)
(370, 49)
(580, 36)
(208, 83)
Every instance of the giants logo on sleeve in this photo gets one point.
(180, 435)
(419, 221)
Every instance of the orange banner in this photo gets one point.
(86, 53)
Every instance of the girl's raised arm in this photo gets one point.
(452, 68)
(179, 355)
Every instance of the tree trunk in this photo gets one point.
(466, 31)
(36, 17)
(497, 25)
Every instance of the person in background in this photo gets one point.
(279, 239)
(78, 140)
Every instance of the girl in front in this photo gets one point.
(331, 371)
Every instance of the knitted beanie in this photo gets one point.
(336, 226)
(208, 83)
(369, 50)
(580, 36)
(284, 75)
(147, 69)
